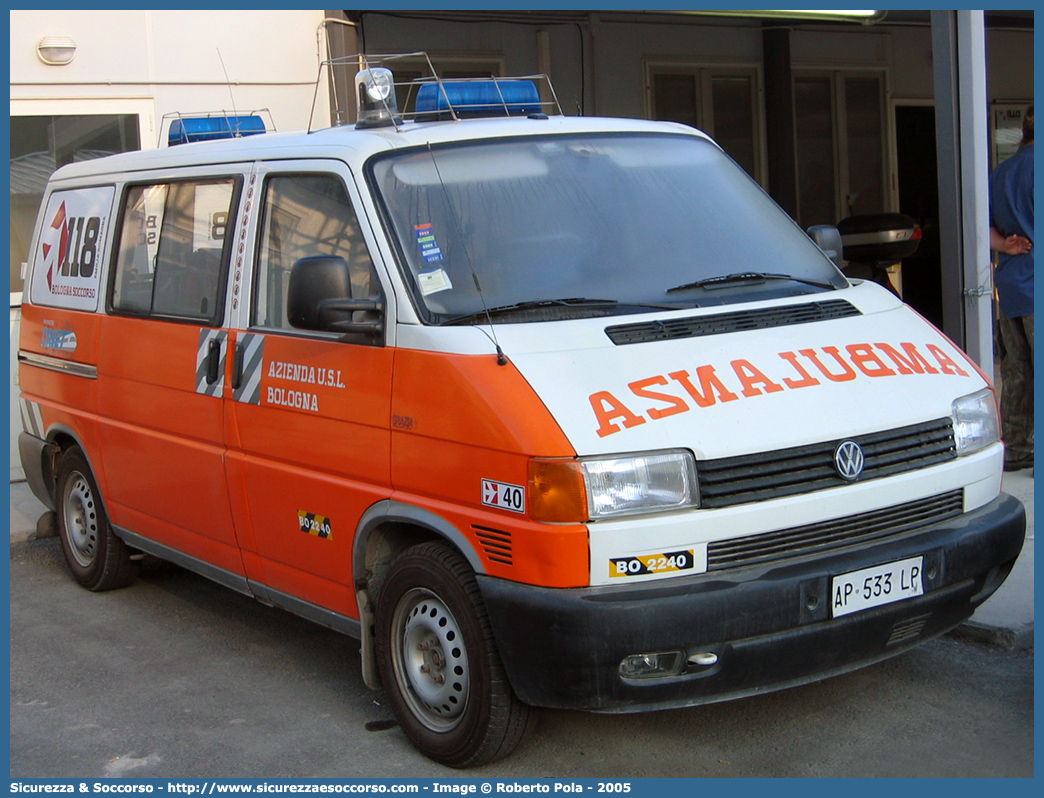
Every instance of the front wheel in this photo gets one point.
(438, 662)
(97, 558)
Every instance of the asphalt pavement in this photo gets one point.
(1005, 620)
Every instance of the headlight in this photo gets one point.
(975, 422)
(644, 483)
(567, 490)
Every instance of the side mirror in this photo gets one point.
(319, 298)
(828, 239)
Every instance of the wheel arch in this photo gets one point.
(386, 530)
(389, 527)
(42, 457)
(98, 559)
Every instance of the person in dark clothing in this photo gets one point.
(1011, 234)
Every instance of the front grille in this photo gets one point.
(803, 469)
(834, 534)
(737, 321)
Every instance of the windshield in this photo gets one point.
(556, 227)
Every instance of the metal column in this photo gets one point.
(962, 132)
(779, 118)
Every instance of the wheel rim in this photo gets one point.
(81, 519)
(431, 662)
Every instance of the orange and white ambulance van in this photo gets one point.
(547, 411)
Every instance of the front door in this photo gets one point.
(309, 430)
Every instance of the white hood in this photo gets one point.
(742, 392)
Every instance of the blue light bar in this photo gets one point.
(211, 128)
(470, 98)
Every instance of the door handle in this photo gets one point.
(213, 361)
(237, 367)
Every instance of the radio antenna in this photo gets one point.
(492, 334)
(228, 83)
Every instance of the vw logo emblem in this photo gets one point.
(849, 460)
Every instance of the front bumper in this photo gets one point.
(769, 625)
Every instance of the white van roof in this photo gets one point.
(352, 145)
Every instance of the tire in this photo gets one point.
(97, 558)
(438, 662)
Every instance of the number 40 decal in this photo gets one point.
(504, 496)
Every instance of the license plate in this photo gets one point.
(873, 587)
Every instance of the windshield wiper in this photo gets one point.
(746, 277)
(570, 302)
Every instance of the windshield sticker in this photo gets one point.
(429, 248)
(433, 280)
(682, 391)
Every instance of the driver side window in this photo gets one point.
(305, 215)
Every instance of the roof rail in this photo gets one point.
(430, 97)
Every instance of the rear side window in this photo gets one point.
(71, 248)
(306, 215)
(171, 259)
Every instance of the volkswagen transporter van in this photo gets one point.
(546, 411)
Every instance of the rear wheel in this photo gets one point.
(97, 558)
(439, 665)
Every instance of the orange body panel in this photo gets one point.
(51, 388)
(162, 443)
(66, 400)
(274, 488)
(472, 400)
(458, 420)
(313, 451)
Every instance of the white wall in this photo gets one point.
(173, 59)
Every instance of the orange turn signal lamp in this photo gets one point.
(557, 491)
